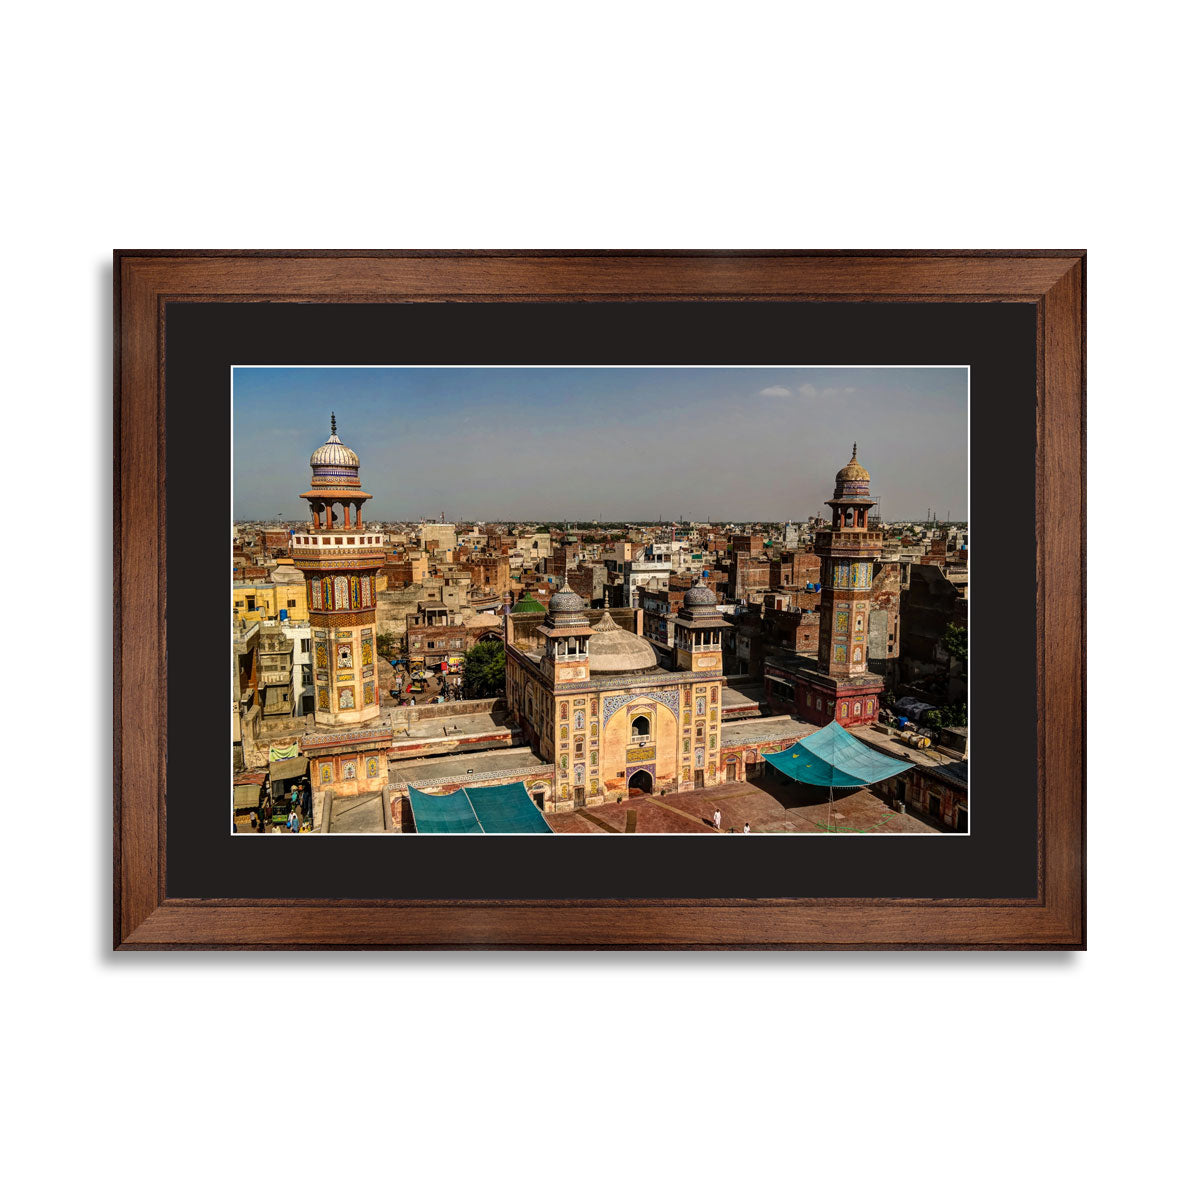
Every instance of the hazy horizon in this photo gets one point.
(618, 444)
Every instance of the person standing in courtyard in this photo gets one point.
(746, 827)
(717, 820)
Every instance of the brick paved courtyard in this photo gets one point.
(770, 807)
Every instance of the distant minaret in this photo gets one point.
(843, 687)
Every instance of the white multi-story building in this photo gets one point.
(303, 693)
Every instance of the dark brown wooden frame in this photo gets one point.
(143, 917)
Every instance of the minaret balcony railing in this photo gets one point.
(336, 539)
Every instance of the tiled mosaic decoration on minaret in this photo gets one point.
(339, 560)
(848, 551)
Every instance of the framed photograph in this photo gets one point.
(704, 558)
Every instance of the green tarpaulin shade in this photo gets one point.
(832, 757)
(506, 808)
(503, 808)
(443, 814)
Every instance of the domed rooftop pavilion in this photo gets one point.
(334, 481)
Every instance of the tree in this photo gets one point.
(955, 641)
(483, 672)
(387, 644)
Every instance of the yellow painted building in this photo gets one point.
(258, 598)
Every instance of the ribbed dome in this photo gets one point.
(699, 597)
(335, 469)
(854, 470)
(333, 454)
(614, 651)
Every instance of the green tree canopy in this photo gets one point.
(483, 672)
(955, 641)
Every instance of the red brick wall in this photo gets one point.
(746, 543)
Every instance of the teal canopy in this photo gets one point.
(503, 808)
(832, 757)
(443, 814)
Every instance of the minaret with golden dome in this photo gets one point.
(848, 550)
(340, 560)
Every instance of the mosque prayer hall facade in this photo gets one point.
(339, 561)
(593, 701)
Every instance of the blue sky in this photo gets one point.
(736, 443)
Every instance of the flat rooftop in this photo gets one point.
(769, 806)
(766, 729)
(790, 661)
(433, 724)
(477, 765)
(743, 696)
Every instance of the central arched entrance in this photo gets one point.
(641, 783)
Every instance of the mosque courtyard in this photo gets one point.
(770, 806)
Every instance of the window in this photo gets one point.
(641, 726)
(429, 646)
(305, 645)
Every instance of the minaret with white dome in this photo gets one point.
(339, 560)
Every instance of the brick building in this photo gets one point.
(746, 543)
(927, 606)
(793, 569)
(749, 578)
(490, 572)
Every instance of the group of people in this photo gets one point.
(297, 805)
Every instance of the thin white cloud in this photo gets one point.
(806, 391)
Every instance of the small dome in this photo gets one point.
(334, 453)
(854, 470)
(615, 651)
(567, 601)
(699, 597)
